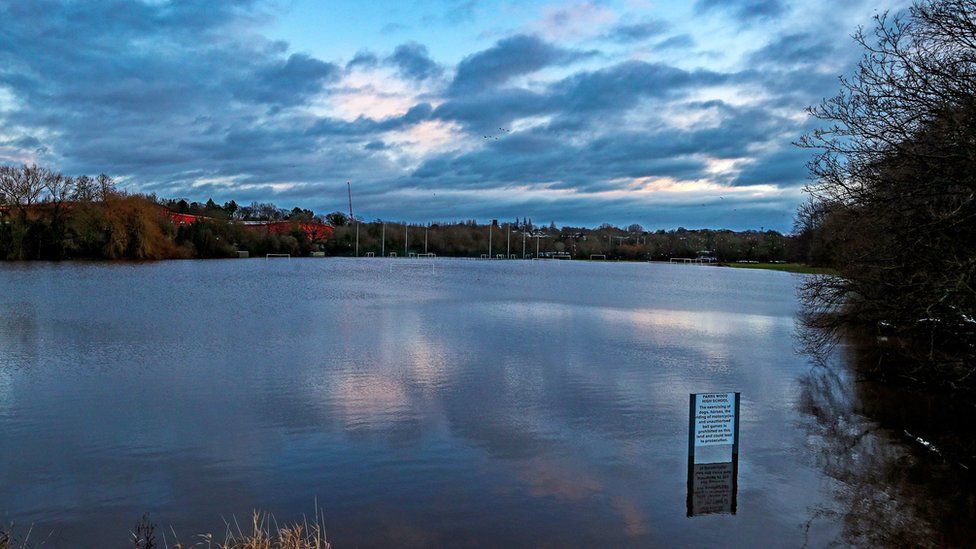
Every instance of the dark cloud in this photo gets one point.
(785, 166)
(676, 42)
(507, 59)
(413, 61)
(364, 126)
(545, 155)
(743, 10)
(363, 58)
(578, 100)
(621, 86)
(25, 142)
(165, 94)
(486, 112)
(793, 50)
(637, 32)
(287, 82)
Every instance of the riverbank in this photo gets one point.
(787, 267)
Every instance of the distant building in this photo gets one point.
(314, 230)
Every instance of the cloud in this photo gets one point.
(784, 166)
(366, 126)
(676, 42)
(625, 84)
(508, 58)
(545, 155)
(637, 32)
(743, 10)
(164, 94)
(391, 28)
(460, 11)
(792, 50)
(486, 111)
(413, 61)
(363, 59)
(287, 82)
(574, 21)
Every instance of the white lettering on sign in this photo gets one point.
(714, 419)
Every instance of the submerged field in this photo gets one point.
(428, 402)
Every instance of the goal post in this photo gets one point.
(274, 256)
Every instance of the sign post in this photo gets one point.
(713, 453)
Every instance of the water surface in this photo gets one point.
(441, 402)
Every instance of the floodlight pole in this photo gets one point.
(383, 242)
(349, 190)
(508, 242)
(405, 226)
(425, 238)
(489, 239)
(357, 239)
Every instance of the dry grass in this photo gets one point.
(264, 533)
(9, 540)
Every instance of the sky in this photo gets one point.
(662, 113)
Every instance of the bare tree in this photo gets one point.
(59, 188)
(85, 189)
(894, 168)
(105, 186)
(22, 187)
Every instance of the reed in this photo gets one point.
(264, 533)
(9, 540)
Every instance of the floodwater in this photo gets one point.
(445, 403)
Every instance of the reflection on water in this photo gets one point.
(481, 404)
(890, 490)
(712, 487)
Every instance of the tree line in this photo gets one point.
(521, 238)
(47, 215)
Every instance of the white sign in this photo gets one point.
(714, 419)
(713, 452)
